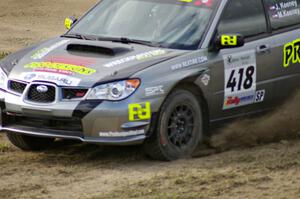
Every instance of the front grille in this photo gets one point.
(70, 93)
(17, 87)
(42, 97)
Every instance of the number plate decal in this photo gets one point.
(240, 79)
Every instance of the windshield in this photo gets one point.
(178, 24)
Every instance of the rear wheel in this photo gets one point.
(29, 143)
(179, 127)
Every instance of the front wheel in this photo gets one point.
(29, 143)
(179, 127)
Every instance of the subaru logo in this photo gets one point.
(42, 89)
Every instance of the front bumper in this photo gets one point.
(128, 140)
(101, 122)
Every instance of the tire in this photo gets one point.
(179, 127)
(29, 143)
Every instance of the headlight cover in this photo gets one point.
(114, 91)
(3, 79)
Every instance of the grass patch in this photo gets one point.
(3, 54)
(4, 147)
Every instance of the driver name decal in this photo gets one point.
(283, 9)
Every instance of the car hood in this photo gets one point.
(73, 62)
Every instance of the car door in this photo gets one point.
(284, 17)
(243, 76)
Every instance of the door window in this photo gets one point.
(245, 17)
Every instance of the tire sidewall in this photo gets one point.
(170, 151)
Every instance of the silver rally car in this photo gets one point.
(161, 73)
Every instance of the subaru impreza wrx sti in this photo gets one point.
(161, 73)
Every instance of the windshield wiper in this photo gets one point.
(125, 40)
(79, 36)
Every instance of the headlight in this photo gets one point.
(114, 91)
(3, 79)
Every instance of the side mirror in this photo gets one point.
(229, 41)
(69, 22)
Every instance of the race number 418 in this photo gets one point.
(241, 79)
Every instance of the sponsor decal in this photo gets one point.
(45, 51)
(236, 101)
(232, 101)
(80, 61)
(205, 79)
(140, 111)
(60, 68)
(291, 53)
(240, 79)
(190, 62)
(138, 57)
(122, 134)
(260, 96)
(207, 3)
(155, 90)
(60, 80)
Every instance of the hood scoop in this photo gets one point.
(103, 50)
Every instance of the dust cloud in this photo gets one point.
(280, 125)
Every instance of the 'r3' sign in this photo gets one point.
(140, 111)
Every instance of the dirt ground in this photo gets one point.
(251, 169)
(23, 22)
(86, 171)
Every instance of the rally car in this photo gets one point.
(161, 73)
